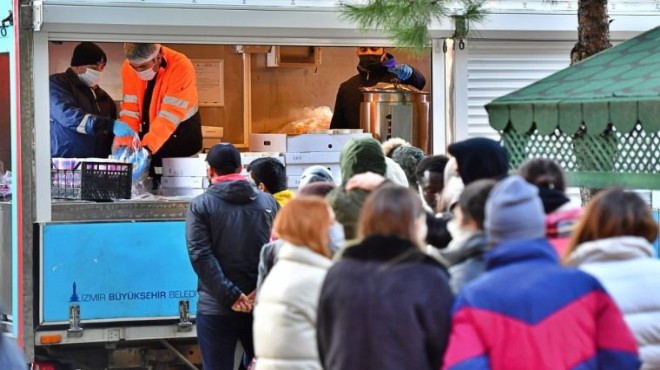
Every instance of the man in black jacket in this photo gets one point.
(225, 230)
(375, 66)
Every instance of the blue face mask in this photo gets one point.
(336, 237)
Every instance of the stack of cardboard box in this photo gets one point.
(302, 151)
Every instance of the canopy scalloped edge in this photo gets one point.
(568, 116)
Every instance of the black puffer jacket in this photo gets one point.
(225, 230)
(384, 305)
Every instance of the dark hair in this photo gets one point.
(319, 189)
(473, 200)
(391, 210)
(614, 212)
(270, 172)
(544, 173)
(224, 158)
(434, 163)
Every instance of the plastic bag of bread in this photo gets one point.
(311, 119)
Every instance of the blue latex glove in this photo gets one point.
(402, 71)
(123, 153)
(122, 129)
(140, 164)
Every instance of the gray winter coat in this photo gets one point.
(467, 262)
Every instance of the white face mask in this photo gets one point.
(336, 237)
(91, 77)
(147, 74)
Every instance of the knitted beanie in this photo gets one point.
(514, 212)
(87, 53)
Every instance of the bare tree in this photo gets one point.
(593, 29)
(593, 37)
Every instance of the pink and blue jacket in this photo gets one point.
(528, 312)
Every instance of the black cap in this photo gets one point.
(87, 53)
(224, 158)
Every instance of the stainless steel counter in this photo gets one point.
(130, 210)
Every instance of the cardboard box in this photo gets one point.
(298, 169)
(267, 143)
(184, 167)
(211, 135)
(292, 181)
(208, 143)
(312, 158)
(187, 182)
(320, 142)
(249, 157)
(213, 131)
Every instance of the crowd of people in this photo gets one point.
(410, 262)
(467, 264)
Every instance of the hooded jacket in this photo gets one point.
(225, 230)
(285, 315)
(628, 269)
(480, 158)
(466, 259)
(349, 96)
(528, 312)
(384, 305)
(81, 118)
(357, 156)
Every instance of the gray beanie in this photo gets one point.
(514, 212)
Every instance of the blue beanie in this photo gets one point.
(514, 212)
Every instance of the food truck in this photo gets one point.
(109, 284)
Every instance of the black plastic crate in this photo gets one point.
(100, 181)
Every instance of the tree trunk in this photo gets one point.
(593, 37)
(593, 29)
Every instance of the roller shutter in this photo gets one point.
(496, 68)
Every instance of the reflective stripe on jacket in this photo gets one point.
(174, 98)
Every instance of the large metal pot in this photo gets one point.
(394, 110)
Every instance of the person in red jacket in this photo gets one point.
(527, 311)
(160, 101)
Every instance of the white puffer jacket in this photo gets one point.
(285, 315)
(626, 268)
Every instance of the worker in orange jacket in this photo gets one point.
(160, 102)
